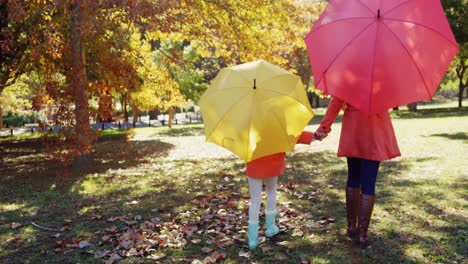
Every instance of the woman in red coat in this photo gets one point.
(365, 140)
(266, 170)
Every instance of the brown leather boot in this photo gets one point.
(353, 195)
(365, 213)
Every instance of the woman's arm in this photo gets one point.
(333, 109)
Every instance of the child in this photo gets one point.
(267, 169)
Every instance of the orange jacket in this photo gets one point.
(366, 136)
(274, 164)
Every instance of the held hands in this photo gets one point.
(320, 135)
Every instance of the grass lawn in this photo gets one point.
(168, 196)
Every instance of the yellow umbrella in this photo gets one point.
(255, 109)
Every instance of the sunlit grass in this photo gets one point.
(420, 214)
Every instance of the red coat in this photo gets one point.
(273, 165)
(367, 136)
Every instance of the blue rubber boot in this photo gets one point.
(271, 228)
(253, 235)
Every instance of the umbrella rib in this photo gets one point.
(424, 26)
(395, 7)
(344, 48)
(266, 89)
(334, 21)
(370, 10)
(412, 59)
(373, 69)
(221, 119)
(279, 122)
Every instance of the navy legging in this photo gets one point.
(362, 173)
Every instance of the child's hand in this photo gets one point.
(320, 135)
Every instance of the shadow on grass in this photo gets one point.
(431, 113)
(463, 136)
(183, 131)
(312, 189)
(35, 190)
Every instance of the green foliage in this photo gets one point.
(180, 58)
(17, 120)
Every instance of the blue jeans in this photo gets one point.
(362, 173)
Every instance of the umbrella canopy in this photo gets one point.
(255, 109)
(376, 54)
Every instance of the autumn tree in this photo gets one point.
(456, 11)
(89, 43)
(18, 39)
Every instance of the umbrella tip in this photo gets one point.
(255, 84)
(378, 13)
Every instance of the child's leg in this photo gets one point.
(255, 189)
(270, 212)
(270, 184)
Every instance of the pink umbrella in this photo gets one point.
(379, 54)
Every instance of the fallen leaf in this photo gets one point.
(218, 255)
(55, 235)
(157, 256)
(132, 252)
(207, 249)
(246, 254)
(101, 253)
(97, 217)
(115, 256)
(15, 225)
(261, 240)
(209, 260)
(297, 233)
(265, 249)
(84, 244)
(283, 243)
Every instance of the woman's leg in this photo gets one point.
(255, 189)
(270, 212)
(353, 194)
(370, 168)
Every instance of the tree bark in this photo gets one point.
(171, 116)
(413, 107)
(79, 83)
(461, 69)
(136, 114)
(1, 116)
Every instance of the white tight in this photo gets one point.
(255, 189)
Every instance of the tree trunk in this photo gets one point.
(136, 113)
(123, 102)
(1, 116)
(413, 107)
(461, 88)
(171, 116)
(79, 83)
(461, 69)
